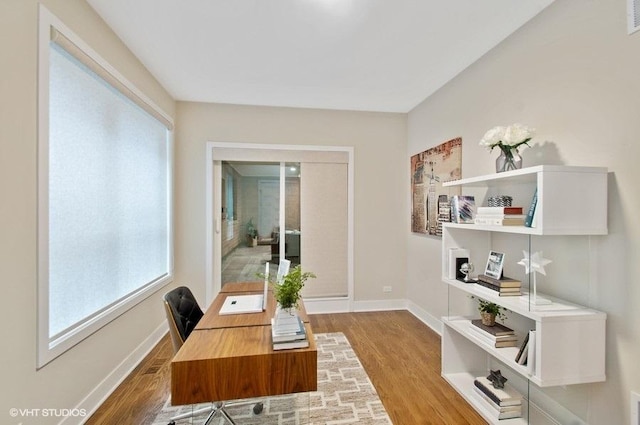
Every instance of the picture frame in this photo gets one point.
(494, 264)
(430, 200)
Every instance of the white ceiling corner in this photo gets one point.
(372, 55)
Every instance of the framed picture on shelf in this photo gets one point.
(494, 264)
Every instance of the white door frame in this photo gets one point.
(213, 263)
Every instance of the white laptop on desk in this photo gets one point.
(243, 304)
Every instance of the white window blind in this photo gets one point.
(105, 234)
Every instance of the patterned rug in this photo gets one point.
(345, 395)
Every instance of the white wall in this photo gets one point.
(379, 141)
(66, 381)
(574, 74)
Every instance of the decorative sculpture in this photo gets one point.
(534, 263)
(496, 379)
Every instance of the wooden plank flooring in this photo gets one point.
(400, 354)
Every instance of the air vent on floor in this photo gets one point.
(634, 15)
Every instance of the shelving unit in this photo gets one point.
(569, 338)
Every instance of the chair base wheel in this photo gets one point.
(257, 408)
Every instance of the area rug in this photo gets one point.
(345, 395)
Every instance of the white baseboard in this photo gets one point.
(103, 390)
(327, 305)
(344, 305)
(428, 319)
(379, 305)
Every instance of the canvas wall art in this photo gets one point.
(430, 201)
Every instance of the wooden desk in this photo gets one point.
(213, 320)
(242, 287)
(232, 357)
(234, 363)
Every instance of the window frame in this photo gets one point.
(48, 347)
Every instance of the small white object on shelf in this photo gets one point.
(534, 263)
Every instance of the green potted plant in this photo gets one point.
(489, 312)
(252, 233)
(287, 292)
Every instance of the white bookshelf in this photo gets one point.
(562, 209)
(569, 337)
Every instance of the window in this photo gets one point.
(104, 194)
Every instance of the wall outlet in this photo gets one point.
(635, 408)
(386, 289)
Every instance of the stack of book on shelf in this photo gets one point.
(505, 286)
(500, 216)
(289, 335)
(505, 403)
(497, 335)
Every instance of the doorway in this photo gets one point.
(251, 235)
(319, 234)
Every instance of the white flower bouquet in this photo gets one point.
(507, 138)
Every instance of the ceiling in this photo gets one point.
(371, 55)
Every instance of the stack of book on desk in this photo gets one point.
(290, 335)
(505, 403)
(504, 287)
(497, 335)
(500, 216)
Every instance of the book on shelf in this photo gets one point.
(463, 209)
(304, 343)
(502, 397)
(444, 209)
(529, 221)
(499, 412)
(503, 292)
(504, 282)
(496, 330)
(293, 335)
(501, 216)
(495, 341)
(531, 353)
(522, 350)
(525, 355)
(504, 211)
(497, 221)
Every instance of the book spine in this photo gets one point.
(522, 348)
(488, 285)
(487, 392)
(497, 410)
(477, 332)
(528, 222)
(531, 353)
(499, 210)
(500, 290)
(496, 221)
(507, 282)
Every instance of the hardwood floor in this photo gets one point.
(400, 354)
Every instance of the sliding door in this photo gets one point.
(298, 205)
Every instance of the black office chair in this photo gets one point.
(183, 314)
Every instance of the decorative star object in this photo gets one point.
(496, 379)
(534, 263)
